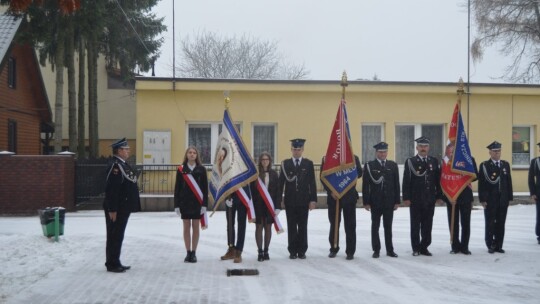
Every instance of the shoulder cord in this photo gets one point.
(133, 180)
(411, 168)
(488, 179)
(289, 179)
(375, 181)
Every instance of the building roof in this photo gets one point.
(8, 28)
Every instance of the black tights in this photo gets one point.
(267, 235)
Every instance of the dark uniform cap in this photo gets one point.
(297, 142)
(382, 146)
(494, 146)
(422, 140)
(538, 144)
(121, 143)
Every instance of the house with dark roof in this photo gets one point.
(25, 114)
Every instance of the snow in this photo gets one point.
(35, 269)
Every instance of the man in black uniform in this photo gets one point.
(495, 193)
(462, 209)
(121, 198)
(421, 190)
(380, 193)
(534, 188)
(347, 204)
(297, 179)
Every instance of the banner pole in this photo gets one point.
(336, 225)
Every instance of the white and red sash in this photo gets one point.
(248, 202)
(269, 204)
(192, 183)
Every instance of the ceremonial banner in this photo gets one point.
(339, 170)
(458, 172)
(233, 166)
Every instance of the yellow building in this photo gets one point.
(172, 115)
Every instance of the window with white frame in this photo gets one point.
(204, 137)
(406, 134)
(521, 146)
(372, 134)
(264, 140)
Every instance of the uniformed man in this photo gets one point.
(297, 179)
(462, 210)
(534, 188)
(347, 204)
(495, 193)
(380, 193)
(121, 198)
(421, 190)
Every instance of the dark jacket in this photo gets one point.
(184, 198)
(273, 190)
(380, 187)
(301, 188)
(494, 183)
(534, 178)
(351, 195)
(421, 181)
(121, 190)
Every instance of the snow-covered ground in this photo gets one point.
(35, 269)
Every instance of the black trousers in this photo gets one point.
(495, 218)
(349, 217)
(421, 225)
(231, 212)
(462, 214)
(538, 219)
(387, 214)
(115, 237)
(297, 221)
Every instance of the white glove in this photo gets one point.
(228, 203)
(277, 211)
(203, 210)
(177, 210)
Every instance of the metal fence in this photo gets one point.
(152, 179)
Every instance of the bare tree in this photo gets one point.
(515, 24)
(209, 55)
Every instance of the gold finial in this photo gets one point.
(460, 91)
(344, 83)
(227, 99)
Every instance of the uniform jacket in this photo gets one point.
(184, 198)
(421, 181)
(121, 190)
(534, 178)
(351, 195)
(380, 187)
(273, 190)
(494, 183)
(301, 188)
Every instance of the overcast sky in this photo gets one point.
(413, 40)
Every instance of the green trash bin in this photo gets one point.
(52, 227)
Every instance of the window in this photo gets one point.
(372, 134)
(406, 134)
(12, 136)
(264, 139)
(521, 146)
(204, 136)
(12, 75)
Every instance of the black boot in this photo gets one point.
(266, 257)
(260, 258)
(188, 257)
(193, 258)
